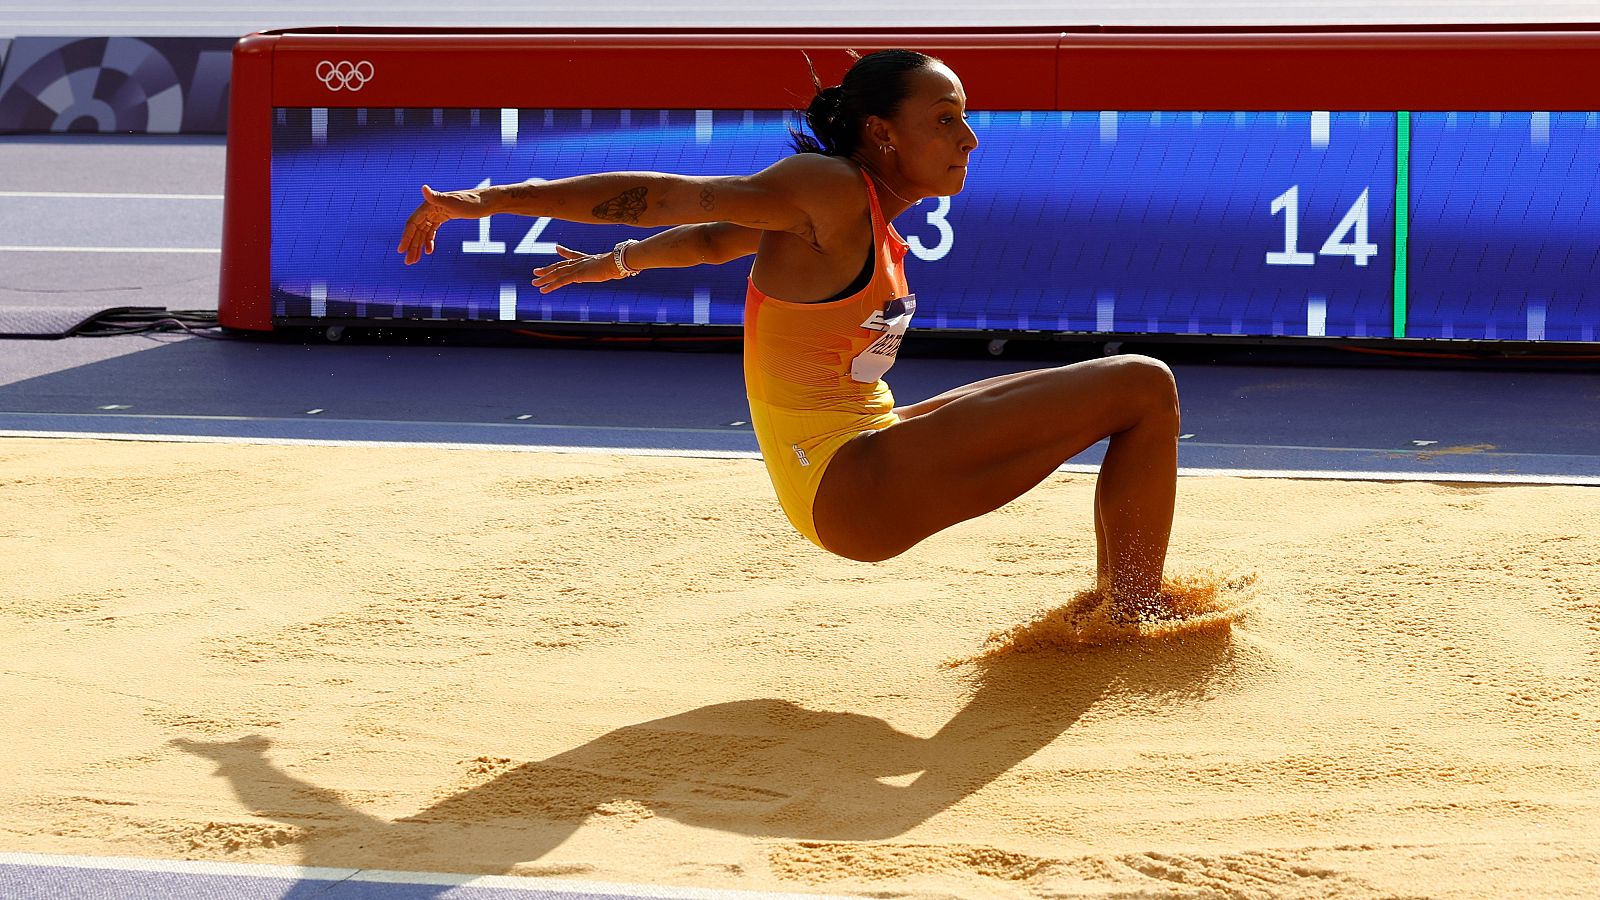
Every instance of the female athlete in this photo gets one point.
(826, 303)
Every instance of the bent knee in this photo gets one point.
(1150, 383)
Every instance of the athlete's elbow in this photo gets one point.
(709, 248)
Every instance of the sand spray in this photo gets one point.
(1203, 600)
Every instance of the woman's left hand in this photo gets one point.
(437, 208)
(576, 268)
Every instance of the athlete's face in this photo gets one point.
(930, 135)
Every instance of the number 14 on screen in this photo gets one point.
(1349, 237)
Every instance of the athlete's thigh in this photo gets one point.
(888, 490)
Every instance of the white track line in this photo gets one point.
(330, 420)
(79, 195)
(18, 249)
(511, 882)
(332, 442)
(1078, 468)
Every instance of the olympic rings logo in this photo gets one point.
(344, 74)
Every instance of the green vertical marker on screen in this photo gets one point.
(1402, 216)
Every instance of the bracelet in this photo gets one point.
(616, 257)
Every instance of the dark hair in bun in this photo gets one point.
(876, 85)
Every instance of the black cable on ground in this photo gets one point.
(149, 320)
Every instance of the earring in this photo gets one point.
(885, 148)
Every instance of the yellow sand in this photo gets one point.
(631, 669)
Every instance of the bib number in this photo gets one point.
(890, 323)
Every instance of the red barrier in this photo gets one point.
(1457, 68)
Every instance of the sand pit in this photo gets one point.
(630, 669)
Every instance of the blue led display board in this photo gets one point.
(1217, 223)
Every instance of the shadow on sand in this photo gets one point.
(766, 767)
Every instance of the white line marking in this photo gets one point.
(381, 876)
(1451, 477)
(1075, 468)
(320, 442)
(1317, 316)
(406, 422)
(508, 126)
(78, 195)
(702, 306)
(1539, 129)
(17, 249)
(508, 301)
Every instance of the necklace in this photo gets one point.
(879, 178)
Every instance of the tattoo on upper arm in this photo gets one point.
(625, 207)
(708, 198)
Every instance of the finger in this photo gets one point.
(415, 226)
(405, 237)
(568, 252)
(557, 266)
(425, 238)
(556, 281)
(550, 270)
(414, 250)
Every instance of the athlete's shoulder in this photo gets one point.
(814, 171)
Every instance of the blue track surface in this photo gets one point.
(1304, 422)
(25, 876)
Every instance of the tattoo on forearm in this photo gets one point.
(625, 207)
(708, 198)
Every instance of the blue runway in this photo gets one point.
(37, 876)
(1328, 422)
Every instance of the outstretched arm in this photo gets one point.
(675, 248)
(782, 197)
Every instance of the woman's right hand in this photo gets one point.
(576, 268)
(438, 207)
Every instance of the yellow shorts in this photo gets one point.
(797, 447)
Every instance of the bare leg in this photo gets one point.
(1134, 498)
(1102, 568)
(886, 492)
